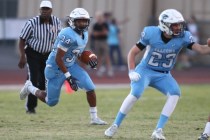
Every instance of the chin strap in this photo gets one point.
(78, 31)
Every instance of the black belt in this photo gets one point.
(162, 71)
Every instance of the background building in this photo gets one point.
(14, 13)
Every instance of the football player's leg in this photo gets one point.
(170, 88)
(206, 133)
(207, 127)
(137, 89)
(54, 82)
(84, 82)
(29, 88)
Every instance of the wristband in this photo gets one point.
(67, 74)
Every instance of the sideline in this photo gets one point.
(98, 86)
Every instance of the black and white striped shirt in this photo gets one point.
(39, 35)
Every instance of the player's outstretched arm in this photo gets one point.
(202, 49)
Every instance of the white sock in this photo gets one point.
(207, 129)
(93, 112)
(32, 89)
(170, 105)
(128, 104)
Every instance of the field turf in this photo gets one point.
(69, 120)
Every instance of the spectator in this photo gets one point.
(192, 27)
(187, 56)
(100, 33)
(114, 44)
(35, 44)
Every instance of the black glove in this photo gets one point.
(72, 83)
(93, 62)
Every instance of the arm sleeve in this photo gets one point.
(190, 45)
(140, 46)
(26, 31)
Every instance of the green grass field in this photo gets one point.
(69, 120)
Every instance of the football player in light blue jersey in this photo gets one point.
(62, 65)
(162, 44)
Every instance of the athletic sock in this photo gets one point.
(32, 89)
(93, 112)
(162, 121)
(119, 118)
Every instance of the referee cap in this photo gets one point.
(46, 3)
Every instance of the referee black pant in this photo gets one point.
(36, 65)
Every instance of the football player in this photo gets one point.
(206, 133)
(62, 65)
(162, 43)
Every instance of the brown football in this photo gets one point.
(85, 56)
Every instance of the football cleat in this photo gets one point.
(24, 91)
(111, 131)
(203, 137)
(31, 111)
(97, 121)
(158, 134)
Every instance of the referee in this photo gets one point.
(35, 43)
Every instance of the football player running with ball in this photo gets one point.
(162, 43)
(62, 65)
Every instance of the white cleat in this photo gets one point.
(203, 136)
(98, 121)
(158, 134)
(111, 131)
(24, 91)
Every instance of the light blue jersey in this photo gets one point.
(154, 69)
(69, 41)
(160, 55)
(159, 58)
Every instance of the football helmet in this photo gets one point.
(79, 14)
(168, 18)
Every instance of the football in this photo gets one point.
(86, 56)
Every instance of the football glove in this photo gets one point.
(93, 62)
(72, 82)
(134, 76)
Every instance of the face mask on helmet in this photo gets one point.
(79, 19)
(171, 22)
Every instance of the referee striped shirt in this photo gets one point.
(40, 36)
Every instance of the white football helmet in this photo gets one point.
(79, 13)
(169, 17)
